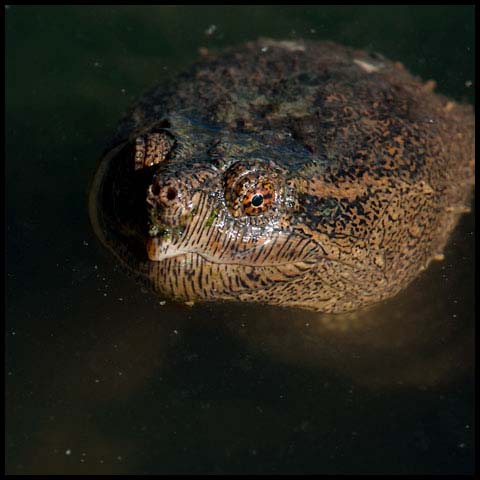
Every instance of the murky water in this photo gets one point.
(104, 378)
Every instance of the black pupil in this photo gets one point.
(257, 200)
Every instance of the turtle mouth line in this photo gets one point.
(230, 262)
(162, 251)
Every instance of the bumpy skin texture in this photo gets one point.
(299, 174)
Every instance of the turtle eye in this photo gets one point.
(250, 196)
(250, 188)
(258, 199)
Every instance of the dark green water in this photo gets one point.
(102, 378)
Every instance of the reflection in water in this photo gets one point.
(392, 345)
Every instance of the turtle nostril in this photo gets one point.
(156, 189)
(171, 193)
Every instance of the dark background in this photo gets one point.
(102, 377)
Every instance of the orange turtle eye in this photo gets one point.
(250, 188)
(258, 199)
(250, 196)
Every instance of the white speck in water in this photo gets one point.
(119, 458)
(85, 243)
(97, 380)
(95, 267)
(211, 30)
(462, 445)
(68, 452)
(120, 373)
(468, 83)
(97, 64)
(175, 332)
(14, 332)
(123, 91)
(264, 49)
(104, 294)
(163, 302)
(121, 299)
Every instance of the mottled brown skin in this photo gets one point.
(299, 174)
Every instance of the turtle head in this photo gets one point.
(202, 213)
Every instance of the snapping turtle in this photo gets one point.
(301, 174)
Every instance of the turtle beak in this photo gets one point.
(159, 249)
